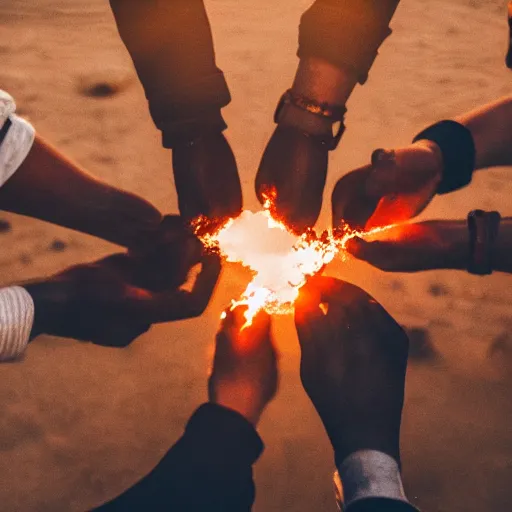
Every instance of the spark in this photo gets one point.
(279, 260)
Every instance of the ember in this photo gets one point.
(280, 261)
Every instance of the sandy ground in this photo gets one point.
(79, 423)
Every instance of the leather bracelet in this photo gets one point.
(458, 151)
(483, 230)
(334, 113)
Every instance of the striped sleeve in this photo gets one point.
(16, 320)
(16, 141)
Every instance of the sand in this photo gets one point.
(80, 423)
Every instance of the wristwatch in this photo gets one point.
(483, 230)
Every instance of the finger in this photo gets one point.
(331, 290)
(121, 264)
(383, 255)
(309, 317)
(180, 304)
(395, 210)
(363, 250)
(205, 282)
(121, 334)
(392, 174)
(385, 176)
(248, 337)
(350, 203)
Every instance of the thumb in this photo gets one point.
(364, 250)
(385, 177)
(244, 336)
(309, 318)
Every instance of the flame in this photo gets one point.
(280, 261)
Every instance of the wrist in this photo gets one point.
(436, 157)
(346, 443)
(319, 79)
(455, 243)
(45, 296)
(244, 403)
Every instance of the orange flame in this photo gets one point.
(280, 261)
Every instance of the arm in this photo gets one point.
(430, 245)
(491, 128)
(209, 468)
(171, 46)
(399, 184)
(338, 43)
(50, 187)
(353, 371)
(38, 181)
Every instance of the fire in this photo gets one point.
(279, 260)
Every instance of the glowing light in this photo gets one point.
(279, 260)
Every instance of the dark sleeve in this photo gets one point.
(209, 468)
(346, 33)
(380, 505)
(171, 45)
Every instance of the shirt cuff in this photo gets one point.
(18, 140)
(16, 320)
(368, 474)
(215, 426)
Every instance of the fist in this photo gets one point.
(244, 375)
(353, 364)
(396, 186)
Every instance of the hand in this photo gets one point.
(105, 302)
(395, 187)
(294, 167)
(206, 178)
(353, 364)
(165, 260)
(413, 247)
(245, 375)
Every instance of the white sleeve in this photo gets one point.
(368, 474)
(18, 139)
(16, 320)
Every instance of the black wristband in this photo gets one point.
(458, 150)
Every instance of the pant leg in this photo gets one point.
(171, 45)
(346, 33)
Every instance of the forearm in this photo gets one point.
(502, 256)
(209, 468)
(50, 187)
(171, 45)
(346, 34)
(338, 42)
(491, 127)
(457, 255)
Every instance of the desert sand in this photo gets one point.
(80, 423)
